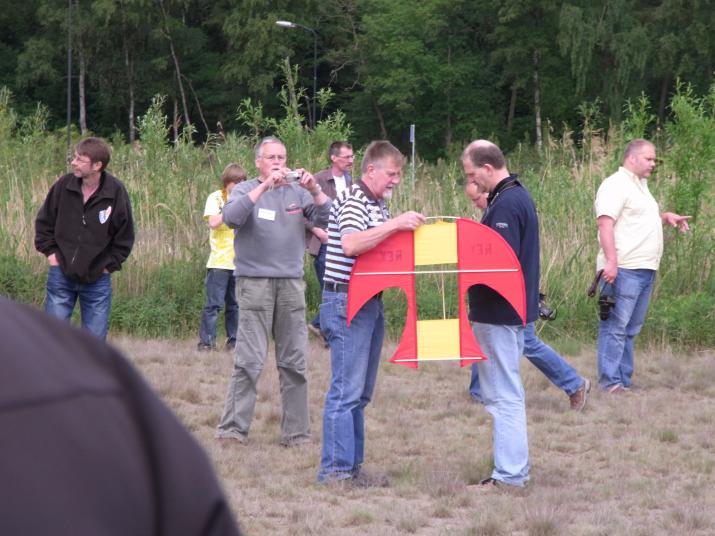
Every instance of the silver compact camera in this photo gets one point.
(292, 176)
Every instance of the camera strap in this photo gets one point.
(507, 184)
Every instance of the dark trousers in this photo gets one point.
(319, 265)
(220, 292)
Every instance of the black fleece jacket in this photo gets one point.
(87, 238)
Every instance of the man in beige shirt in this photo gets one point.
(631, 237)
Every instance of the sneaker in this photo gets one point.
(615, 389)
(579, 398)
(203, 347)
(339, 479)
(230, 344)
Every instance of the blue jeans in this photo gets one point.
(220, 291)
(95, 300)
(543, 357)
(631, 290)
(319, 265)
(355, 359)
(503, 395)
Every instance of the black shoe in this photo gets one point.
(230, 344)
(203, 347)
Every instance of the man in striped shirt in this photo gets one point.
(359, 221)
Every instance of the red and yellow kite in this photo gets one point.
(482, 257)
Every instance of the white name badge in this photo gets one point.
(266, 214)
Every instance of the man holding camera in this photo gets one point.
(268, 214)
(630, 234)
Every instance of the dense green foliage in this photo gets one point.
(160, 290)
(457, 69)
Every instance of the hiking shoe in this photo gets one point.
(295, 441)
(231, 437)
(490, 483)
(579, 398)
(203, 347)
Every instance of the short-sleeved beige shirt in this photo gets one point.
(638, 229)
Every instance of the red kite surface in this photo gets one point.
(482, 257)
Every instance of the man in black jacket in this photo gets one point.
(87, 447)
(85, 229)
(511, 213)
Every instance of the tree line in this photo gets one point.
(457, 69)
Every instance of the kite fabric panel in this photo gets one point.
(481, 256)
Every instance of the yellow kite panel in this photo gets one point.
(438, 339)
(436, 244)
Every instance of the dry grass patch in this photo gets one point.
(640, 463)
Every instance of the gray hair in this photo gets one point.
(264, 141)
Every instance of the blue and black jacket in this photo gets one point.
(511, 213)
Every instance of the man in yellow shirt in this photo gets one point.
(631, 237)
(220, 281)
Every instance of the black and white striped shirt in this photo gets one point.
(355, 209)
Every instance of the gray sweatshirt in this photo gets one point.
(270, 234)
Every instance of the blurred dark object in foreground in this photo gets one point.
(87, 447)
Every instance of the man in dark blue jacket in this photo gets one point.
(85, 229)
(510, 212)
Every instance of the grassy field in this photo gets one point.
(634, 464)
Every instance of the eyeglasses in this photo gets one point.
(274, 157)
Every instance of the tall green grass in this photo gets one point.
(159, 292)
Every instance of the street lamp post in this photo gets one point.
(287, 24)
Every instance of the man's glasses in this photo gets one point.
(274, 157)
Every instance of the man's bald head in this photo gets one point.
(481, 152)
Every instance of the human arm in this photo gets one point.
(240, 205)
(675, 220)
(321, 234)
(213, 209)
(45, 241)
(358, 242)
(308, 182)
(122, 232)
(215, 221)
(607, 238)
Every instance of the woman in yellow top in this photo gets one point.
(220, 281)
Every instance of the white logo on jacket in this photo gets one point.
(501, 225)
(104, 214)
